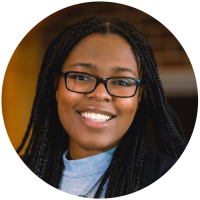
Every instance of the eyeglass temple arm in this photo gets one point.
(61, 73)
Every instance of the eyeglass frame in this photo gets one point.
(99, 80)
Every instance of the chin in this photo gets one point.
(100, 145)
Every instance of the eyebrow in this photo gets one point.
(86, 65)
(123, 69)
(114, 69)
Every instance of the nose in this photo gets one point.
(100, 93)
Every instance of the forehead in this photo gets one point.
(103, 51)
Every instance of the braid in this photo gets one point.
(26, 135)
(42, 148)
(46, 160)
(49, 140)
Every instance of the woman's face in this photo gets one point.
(106, 56)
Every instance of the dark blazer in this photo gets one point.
(155, 165)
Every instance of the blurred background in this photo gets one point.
(20, 80)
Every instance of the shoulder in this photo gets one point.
(155, 165)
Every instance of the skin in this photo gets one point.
(105, 52)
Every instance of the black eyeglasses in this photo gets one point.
(81, 82)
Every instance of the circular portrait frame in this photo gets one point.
(149, 190)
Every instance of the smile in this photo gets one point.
(95, 116)
(95, 120)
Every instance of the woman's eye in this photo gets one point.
(78, 77)
(122, 83)
(82, 78)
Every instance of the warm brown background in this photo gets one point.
(21, 76)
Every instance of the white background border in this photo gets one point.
(17, 18)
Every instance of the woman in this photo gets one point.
(97, 86)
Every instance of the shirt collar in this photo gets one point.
(87, 166)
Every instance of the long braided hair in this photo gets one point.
(49, 140)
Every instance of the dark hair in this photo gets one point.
(49, 140)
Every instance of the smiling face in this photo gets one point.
(103, 56)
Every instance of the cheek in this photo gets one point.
(128, 108)
(66, 101)
(64, 97)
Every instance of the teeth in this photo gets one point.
(94, 116)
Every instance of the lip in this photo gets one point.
(91, 123)
(97, 110)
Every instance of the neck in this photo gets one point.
(76, 152)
